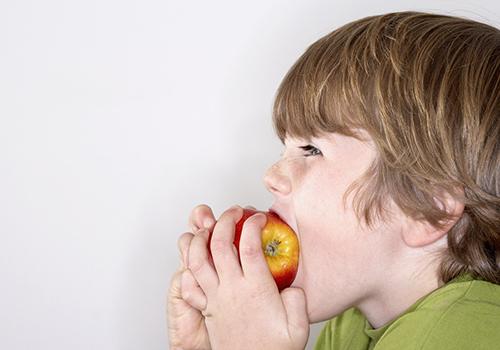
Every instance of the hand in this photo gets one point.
(186, 326)
(243, 308)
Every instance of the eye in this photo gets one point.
(311, 151)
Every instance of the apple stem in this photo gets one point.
(272, 248)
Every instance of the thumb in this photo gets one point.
(294, 300)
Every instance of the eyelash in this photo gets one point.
(313, 150)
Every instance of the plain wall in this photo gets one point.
(116, 119)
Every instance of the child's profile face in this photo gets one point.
(341, 260)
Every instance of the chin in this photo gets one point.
(322, 302)
(321, 312)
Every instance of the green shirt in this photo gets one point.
(463, 314)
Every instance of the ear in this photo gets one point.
(420, 233)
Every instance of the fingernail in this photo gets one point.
(208, 223)
(261, 218)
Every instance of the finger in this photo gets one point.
(201, 217)
(250, 207)
(191, 291)
(199, 262)
(175, 285)
(183, 245)
(294, 301)
(224, 253)
(253, 261)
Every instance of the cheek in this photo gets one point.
(318, 200)
(329, 265)
(322, 243)
(327, 231)
(329, 242)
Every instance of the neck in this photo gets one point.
(396, 293)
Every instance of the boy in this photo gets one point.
(390, 177)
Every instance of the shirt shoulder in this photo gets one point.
(464, 315)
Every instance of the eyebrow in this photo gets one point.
(307, 148)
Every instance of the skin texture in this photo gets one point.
(203, 302)
(237, 296)
(186, 326)
(382, 270)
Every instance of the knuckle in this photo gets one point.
(197, 256)
(184, 240)
(201, 234)
(200, 207)
(183, 245)
(232, 215)
(196, 265)
(256, 220)
(218, 246)
(197, 215)
(235, 209)
(187, 296)
(250, 252)
(199, 211)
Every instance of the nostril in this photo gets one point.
(276, 182)
(269, 181)
(273, 189)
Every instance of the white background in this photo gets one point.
(118, 117)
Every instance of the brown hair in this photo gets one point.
(426, 88)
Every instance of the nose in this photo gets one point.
(276, 180)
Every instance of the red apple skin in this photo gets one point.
(279, 244)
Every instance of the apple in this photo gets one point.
(279, 244)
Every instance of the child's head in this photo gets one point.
(425, 88)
